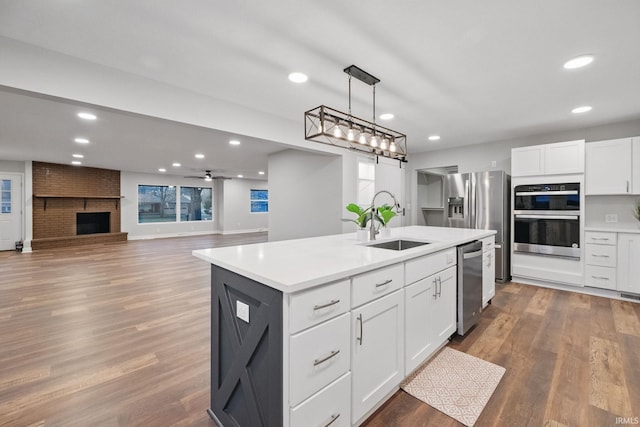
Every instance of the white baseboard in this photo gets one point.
(166, 235)
(249, 230)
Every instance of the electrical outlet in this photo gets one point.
(611, 218)
(242, 311)
(493, 163)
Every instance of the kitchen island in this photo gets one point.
(321, 331)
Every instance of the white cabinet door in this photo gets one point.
(377, 333)
(488, 276)
(564, 157)
(443, 316)
(628, 265)
(419, 331)
(608, 167)
(527, 161)
(635, 165)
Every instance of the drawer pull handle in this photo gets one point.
(600, 256)
(333, 419)
(439, 286)
(359, 339)
(386, 282)
(600, 277)
(599, 238)
(324, 359)
(329, 304)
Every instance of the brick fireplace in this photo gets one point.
(63, 193)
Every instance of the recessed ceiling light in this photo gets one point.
(199, 156)
(176, 165)
(87, 116)
(76, 162)
(78, 156)
(261, 173)
(578, 62)
(583, 109)
(298, 77)
(162, 170)
(386, 116)
(234, 142)
(81, 140)
(434, 137)
(240, 176)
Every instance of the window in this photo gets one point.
(259, 201)
(366, 182)
(156, 203)
(196, 204)
(5, 189)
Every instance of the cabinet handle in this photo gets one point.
(600, 277)
(359, 339)
(435, 288)
(386, 282)
(599, 238)
(333, 419)
(324, 359)
(627, 186)
(329, 304)
(439, 286)
(600, 256)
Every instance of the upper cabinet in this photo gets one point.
(548, 159)
(613, 167)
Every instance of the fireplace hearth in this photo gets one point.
(93, 222)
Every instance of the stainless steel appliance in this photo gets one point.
(482, 200)
(469, 285)
(546, 219)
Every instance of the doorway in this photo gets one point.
(10, 210)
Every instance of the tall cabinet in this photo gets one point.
(629, 262)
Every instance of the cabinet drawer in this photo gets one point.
(331, 406)
(315, 305)
(425, 266)
(318, 356)
(600, 277)
(602, 255)
(369, 286)
(600, 238)
(488, 243)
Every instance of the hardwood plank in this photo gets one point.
(608, 389)
(540, 301)
(625, 318)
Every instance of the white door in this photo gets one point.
(10, 211)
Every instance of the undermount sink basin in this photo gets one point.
(398, 245)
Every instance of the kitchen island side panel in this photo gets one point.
(246, 357)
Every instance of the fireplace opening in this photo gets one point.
(92, 222)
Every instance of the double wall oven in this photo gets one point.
(546, 219)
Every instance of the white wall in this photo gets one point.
(596, 207)
(129, 182)
(305, 195)
(475, 158)
(236, 214)
(11, 166)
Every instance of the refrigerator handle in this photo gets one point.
(467, 204)
(471, 193)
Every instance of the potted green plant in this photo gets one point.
(363, 217)
(385, 214)
(636, 210)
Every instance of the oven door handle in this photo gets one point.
(546, 193)
(546, 216)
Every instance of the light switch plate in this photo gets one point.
(611, 218)
(242, 311)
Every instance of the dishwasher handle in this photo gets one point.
(472, 254)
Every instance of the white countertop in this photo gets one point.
(294, 265)
(614, 227)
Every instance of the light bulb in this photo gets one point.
(350, 135)
(337, 132)
(363, 138)
(384, 143)
(374, 141)
(392, 147)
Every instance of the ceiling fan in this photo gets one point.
(207, 176)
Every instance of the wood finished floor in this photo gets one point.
(118, 335)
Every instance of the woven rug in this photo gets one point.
(456, 384)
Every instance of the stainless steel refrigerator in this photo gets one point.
(481, 200)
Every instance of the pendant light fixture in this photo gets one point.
(329, 126)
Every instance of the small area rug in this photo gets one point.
(456, 384)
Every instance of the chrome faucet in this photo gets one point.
(372, 228)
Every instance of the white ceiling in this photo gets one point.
(471, 71)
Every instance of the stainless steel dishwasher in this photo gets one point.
(469, 285)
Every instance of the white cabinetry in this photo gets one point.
(629, 262)
(548, 159)
(377, 343)
(613, 167)
(600, 262)
(488, 270)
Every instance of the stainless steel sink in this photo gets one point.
(398, 245)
